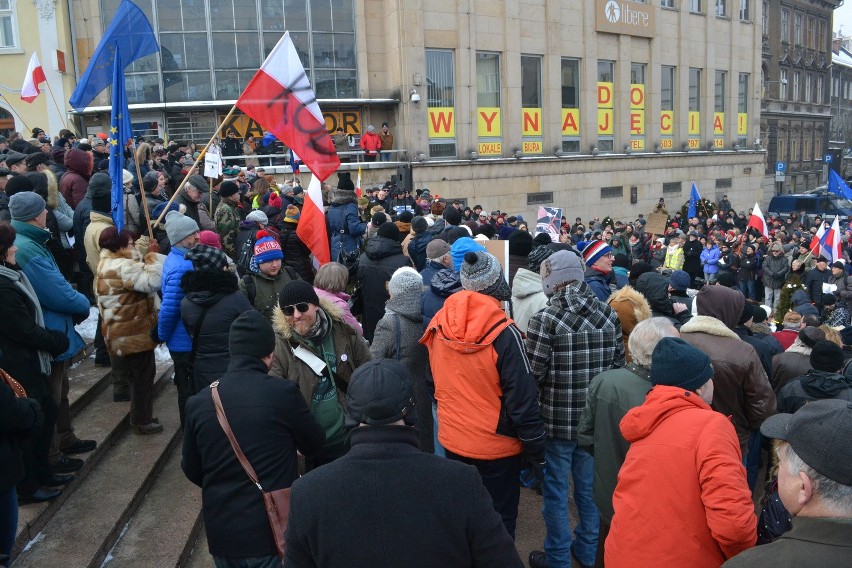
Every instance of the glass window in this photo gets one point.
(440, 92)
(667, 92)
(811, 33)
(782, 90)
(821, 43)
(796, 92)
(797, 29)
(818, 94)
(764, 17)
(694, 89)
(295, 15)
(531, 81)
(272, 14)
(721, 7)
(785, 25)
(667, 3)
(570, 83)
(745, 10)
(8, 24)
(487, 79)
(605, 71)
(720, 92)
(808, 87)
(742, 93)
(695, 6)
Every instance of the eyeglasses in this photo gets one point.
(290, 310)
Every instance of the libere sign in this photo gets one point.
(625, 17)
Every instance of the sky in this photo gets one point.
(843, 17)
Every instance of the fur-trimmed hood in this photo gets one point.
(799, 347)
(708, 325)
(282, 328)
(52, 189)
(342, 197)
(631, 307)
(204, 287)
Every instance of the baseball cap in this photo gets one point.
(379, 394)
(819, 433)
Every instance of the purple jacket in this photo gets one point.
(341, 300)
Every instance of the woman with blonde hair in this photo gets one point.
(259, 189)
(330, 283)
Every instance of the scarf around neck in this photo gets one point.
(20, 280)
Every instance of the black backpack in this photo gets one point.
(245, 252)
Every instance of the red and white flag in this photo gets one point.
(826, 242)
(311, 228)
(833, 241)
(280, 98)
(34, 76)
(358, 183)
(758, 222)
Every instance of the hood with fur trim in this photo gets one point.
(631, 307)
(52, 189)
(708, 325)
(342, 197)
(721, 303)
(282, 328)
(79, 161)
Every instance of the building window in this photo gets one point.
(721, 91)
(764, 19)
(822, 45)
(724, 183)
(667, 3)
(612, 191)
(441, 100)
(606, 112)
(695, 6)
(808, 85)
(745, 10)
(673, 187)
(570, 105)
(742, 110)
(785, 25)
(667, 88)
(796, 92)
(810, 36)
(721, 7)
(8, 25)
(818, 94)
(694, 90)
(797, 29)
(807, 144)
(531, 81)
(782, 85)
(488, 79)
(781, 147)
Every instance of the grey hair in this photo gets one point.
(835, 496)
(645, 337)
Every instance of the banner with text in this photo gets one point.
(489, 130)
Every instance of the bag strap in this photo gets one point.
(251, 288)
(398, 336)
(223, 422)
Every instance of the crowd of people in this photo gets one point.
(417, 383)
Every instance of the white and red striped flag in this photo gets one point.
(34, 76)
(311, 228)
(280, 98)
(827, 242)
(358, 183)
(757, 221)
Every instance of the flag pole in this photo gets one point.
(200, 157)
(55, 104)
(144, 201)
(18, 116)
(210, 181)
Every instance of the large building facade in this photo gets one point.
(840, 135)
(796, 74)
(597, 106)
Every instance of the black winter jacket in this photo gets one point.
(19, 417)
(375, 268)
(392, 496)
(443, 284)
(417, 249)
(270, 420)
(296, 254)
(816, 385)
(219, 293)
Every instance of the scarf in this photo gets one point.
(23, 284)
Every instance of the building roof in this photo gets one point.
(843, 58)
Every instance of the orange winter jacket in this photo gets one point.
(682, 497)
(486, 394)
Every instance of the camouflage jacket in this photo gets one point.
(227, 224)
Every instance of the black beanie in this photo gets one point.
(378, 218)
(148, 184)
(296, 292)
(452, 216)
(542, 239)
(419, 224)
(405, 217)
(637, 269)
(17, 184)
(826, 356)
(251, 335)
(389, 231)
(228, 188)
(100, 190)
(748, 313)
(520, 243)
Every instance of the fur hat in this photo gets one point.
(228, 188)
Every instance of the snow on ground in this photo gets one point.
(88, 328)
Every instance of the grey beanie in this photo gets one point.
(26, 206)
(560, 267)
(179, 226)
(482, 272)
(406, 281)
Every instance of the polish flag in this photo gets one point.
(358, 183)
(758, 222)
(311, 228)
(816, 246)
(34, 76)
(829, 242)
(280, 98)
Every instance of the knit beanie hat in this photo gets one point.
(520, 243)
(561, 267)
(378, 219)
(537, 256)
(100, 190)
(405, 217)
(593, 250)
(405, 280)
(207, 258)
(179, 226)
(267, 248)
(210, 239)
(19, 184)
(748, 313)
(760, 315)
(388, 231)
(149, 183)
(26, 205)
(436, 249)
(826, 356)
(679, 280)
(482, 272)
(452, 216)
(251, 335)
(462, 246)
(258, 216)
(419, 224)
(296, 292)
(676, 363)
(228, 188)
(292, 214)
(637, 270)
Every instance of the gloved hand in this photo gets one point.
(79, 318)
(155, 336)
(154, 246)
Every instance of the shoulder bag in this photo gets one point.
(277, 502)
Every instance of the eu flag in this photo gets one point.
(119, 132)
(694, 199)
(132, 35)
(837, 186)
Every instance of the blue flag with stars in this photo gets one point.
(837, 186)
(129, 32)
(694, 199)
(119, 132)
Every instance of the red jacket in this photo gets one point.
(786, 337)
(75, 180)
(682, 497)
(370, 142)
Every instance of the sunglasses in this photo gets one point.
(290, 310)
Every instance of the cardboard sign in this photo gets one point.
(549, 220)
(656, 224)
(212, 163)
